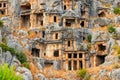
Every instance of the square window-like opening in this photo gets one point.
(80, 55)
(101, 47)
(35, 52)
(69, 55)
(56, 53)
(4, 4)
(68, 24)
(75, 55)
(82, 24)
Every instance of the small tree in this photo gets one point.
(117, 10)
(89, 38)
(82, 73)
(1, 24)
(111, 29)
(8, 73)
(21, 57)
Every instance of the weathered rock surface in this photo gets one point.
(25, 73)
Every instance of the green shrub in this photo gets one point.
(116, 65)
(1, 24)
(111, 29)
(21, 57)
(119, 56)
(7, 48)
(82, 73)
(87, 77)
(4, 40)
(8, 73)
(117, 10)
(89, 38)
(26, 64)
(118, 51)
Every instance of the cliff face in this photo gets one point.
(59, 37)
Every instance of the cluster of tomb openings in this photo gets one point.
(102, 14)
(75, 62)
(69, 22)
(101, 47)
(35, 52)
(74, 55)
(100, 59)
(2, 4)
(56, 53)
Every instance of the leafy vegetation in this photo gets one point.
(82, 73)
(116, 65)
(8, 73)
(26, 64)
(111, 29)
(7, 48)
(1, 24)
(4, 40)
(117, 10)
(89, 38)
(20, 55)
(118, 51)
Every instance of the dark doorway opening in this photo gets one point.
(69, 65)
(56, 53)
(80, 65)
(100, 59)
(82, 24)
(75, 65)
(69, 55)
(102, 14)
(101, 47)
(35, 52)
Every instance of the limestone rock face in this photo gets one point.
(15, 6)
(115, 74)
(13, 42)
(103, 21)
(25, 73)
(110, 59)
(41, 77)
(8, 57)
(15, 62)
(57, 65)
